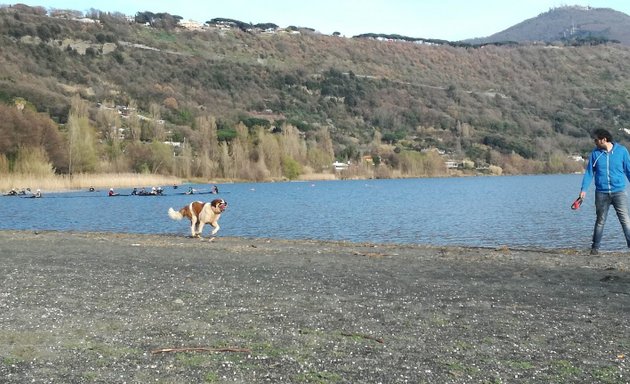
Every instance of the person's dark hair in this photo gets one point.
(602, 134)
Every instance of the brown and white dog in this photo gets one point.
(200, 213)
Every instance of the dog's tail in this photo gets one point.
(175, 215)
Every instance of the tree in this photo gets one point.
(184, 161)
(161, 159)
(320, 153)
(156, 124)
(292, 144)
(81, 138)
(241, 152)
(33, 161)
(269, 148)
(207, 144)
(108, 124)
(133, 121)
(225, 161)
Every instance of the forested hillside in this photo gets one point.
(108, 94)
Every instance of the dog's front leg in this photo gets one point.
(216, 227)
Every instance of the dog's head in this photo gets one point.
(218, 205)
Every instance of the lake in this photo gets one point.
(513, 211)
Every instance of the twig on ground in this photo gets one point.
(370, 254)
(200, 349)
(370, 337)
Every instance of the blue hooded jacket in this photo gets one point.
(609, 169)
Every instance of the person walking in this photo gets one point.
(609, 166)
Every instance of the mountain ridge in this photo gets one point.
(565, 23)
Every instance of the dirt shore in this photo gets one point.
(120, 308)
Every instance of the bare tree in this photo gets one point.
(184, 161)
(133, 121)
(292, 143)
(109, 125)
(208, 145)
(156, 123)
(270, 152)
(320, 152)
(81, 138)
(225, 161)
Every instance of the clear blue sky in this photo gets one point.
(434, 19)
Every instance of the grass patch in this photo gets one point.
(520, 365)
(24, 346)
(318, 377)
(211, 377)
(12, 360)
(90, 376)
(457, 369)
(439, 320)
(608, 375)
(267, 349)
(462, 345)
(192, 359)
(565, 369)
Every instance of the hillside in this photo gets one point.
(566, 24)
(267, 104)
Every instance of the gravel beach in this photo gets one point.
(125, 308)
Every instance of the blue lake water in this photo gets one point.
(513, 211)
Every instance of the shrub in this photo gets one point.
(291, 169)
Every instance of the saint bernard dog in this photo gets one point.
(200, 214)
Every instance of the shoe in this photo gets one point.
(594, 251)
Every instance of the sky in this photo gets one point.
(451, 20)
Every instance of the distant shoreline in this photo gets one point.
(66, 183)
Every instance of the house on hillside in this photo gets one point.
(451, 164)
(86, 20)
(339, 166)
(191, 25)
